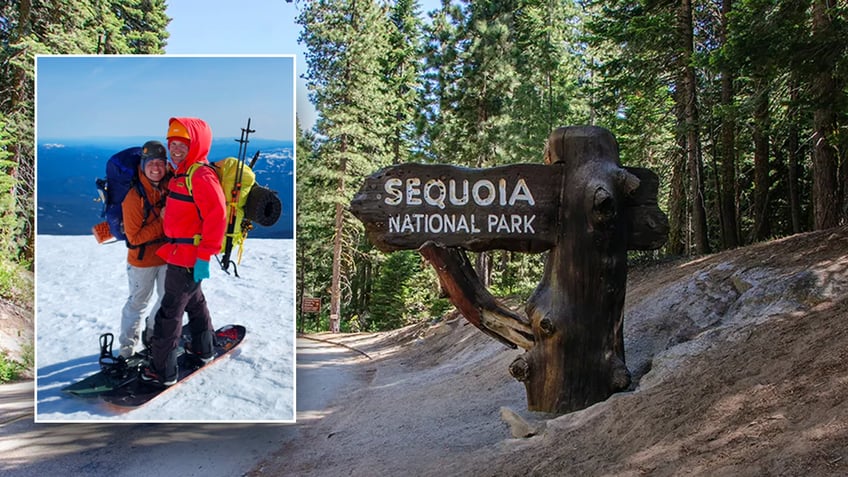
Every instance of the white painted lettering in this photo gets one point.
(436, 193)
(435, 229)
(490, 192)
(521, 192)
(462, 225)
(412, 191)
(439, 200)
(395, 195)
(407, 225)
(528, 225)
(454, 200)
(450, 223)
(515, 223)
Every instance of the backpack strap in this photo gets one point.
(188, 174)
(188, 198)
(147, 208)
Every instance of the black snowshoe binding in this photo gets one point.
(109, 364)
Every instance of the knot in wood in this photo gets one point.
(603, 205)
(546, 326)
(520, 369)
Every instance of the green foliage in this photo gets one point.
(137, 26)
(67, 27)
(548, 58)
(11, 370)
(485, 82)
(401, 293)
(402, 77)
(516, 274)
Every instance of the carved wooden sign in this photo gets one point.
(514, 207)
(582, 206)
(509, 207)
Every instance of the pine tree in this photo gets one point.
(402, 75)
(73, 26)
(439, 77)
(345, 42)
(827, 89)
(549, 65)
(313, 235)
(142, 27)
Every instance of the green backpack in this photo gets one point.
(246, 202)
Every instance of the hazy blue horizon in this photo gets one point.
(66, 193)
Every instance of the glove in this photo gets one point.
(201, 270)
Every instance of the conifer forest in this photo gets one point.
(34, 27)
(739, 106)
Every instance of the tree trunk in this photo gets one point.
(483, 267)
(727, 194)
(762, 183)
(678, 242)
(826, 200)
(301, 289)
(794, 166)
(693, 145)
(335, 283)
(576, 311)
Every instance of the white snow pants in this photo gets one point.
(141, 282)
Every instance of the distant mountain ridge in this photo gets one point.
(66, 170)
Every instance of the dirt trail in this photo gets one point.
(741, 360)
(208, 450)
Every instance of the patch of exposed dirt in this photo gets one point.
(741, 367)
(17, 323)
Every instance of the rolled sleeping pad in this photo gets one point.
(263, 206)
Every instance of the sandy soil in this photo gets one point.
(740, 362)
(16, 330)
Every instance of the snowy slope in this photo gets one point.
(81, 287)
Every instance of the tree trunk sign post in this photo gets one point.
(581, 206)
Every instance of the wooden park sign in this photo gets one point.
(310, 305)
(581, 206)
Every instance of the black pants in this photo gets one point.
(182, 294)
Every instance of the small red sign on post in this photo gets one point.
(310, 305)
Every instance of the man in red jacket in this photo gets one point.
(195, 225)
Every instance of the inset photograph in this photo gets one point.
(165, 275)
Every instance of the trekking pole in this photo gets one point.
(235, 195)
(255, 158)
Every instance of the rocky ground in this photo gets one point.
(740, 362)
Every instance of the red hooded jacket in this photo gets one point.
(203, 215)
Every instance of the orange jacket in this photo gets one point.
(141, 230)
(201, 214)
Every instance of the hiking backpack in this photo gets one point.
(121, 176)
(245, 201)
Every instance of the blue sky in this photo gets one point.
(198, 27)
(249, 27)
(246, 27)
(116, 96)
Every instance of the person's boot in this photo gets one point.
(168, 376)
(203, 346)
